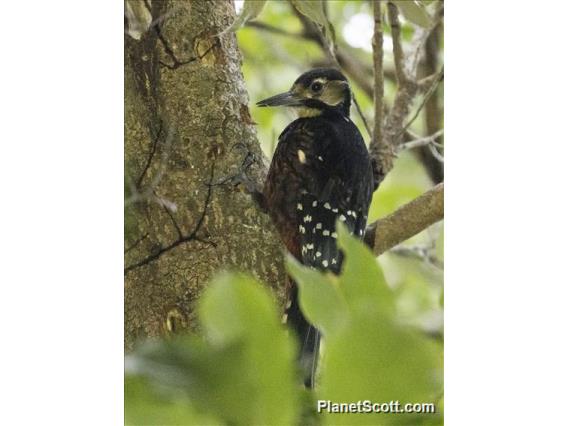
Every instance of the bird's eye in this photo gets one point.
(316, 87)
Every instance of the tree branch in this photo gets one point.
(398, 52)
(379, 89)
(422, 253)
(330, 49)
(356, 69)
(407, 221)
(275, 30)
(430, 87)
(420, 142)
(433, 110)
(435, 153)
(387, 132)
(408, 89)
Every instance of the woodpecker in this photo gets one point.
(320, 173)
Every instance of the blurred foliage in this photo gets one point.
(382, 320)
(413, 11)
(242, 369)
(369, 353)
(272, 61)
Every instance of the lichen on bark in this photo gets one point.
(186, 129)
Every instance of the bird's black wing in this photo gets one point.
(337, 184)
(334, 180)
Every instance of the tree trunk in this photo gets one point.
(433, 108)
(187, 128)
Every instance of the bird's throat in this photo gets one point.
(306, 112)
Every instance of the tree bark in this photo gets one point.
(407, 221)
(187, 129)
(433, 109)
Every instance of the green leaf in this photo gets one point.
(362, 280)
(144, 405)
(232, 306)
(379, 361)
(414, 12)
(243, 372)
(313, 9)
(371, 356)
(251, 9)
(320, 298)
(189, 366)
(238, 307)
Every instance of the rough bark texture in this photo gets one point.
(407, 221)
(187, 127)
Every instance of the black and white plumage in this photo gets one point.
(320, 173)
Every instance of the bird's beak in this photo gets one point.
(283, 99)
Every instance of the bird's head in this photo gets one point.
(315, 92)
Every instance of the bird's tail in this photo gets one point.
(309, 338)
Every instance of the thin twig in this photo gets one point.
(420, 39)
(426, 82)
(360, 112)
(192, 236)
(357, 70)
(435, 153)
(155, 142)
(424, 253)
(135, 243)
(148, 193)
(176, 226)
(429, 93)
(330, 51)
(406, 91)
(275, 30)
(428, 140)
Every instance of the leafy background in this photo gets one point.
(383, 319)
(273, 61)
(242, 369)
